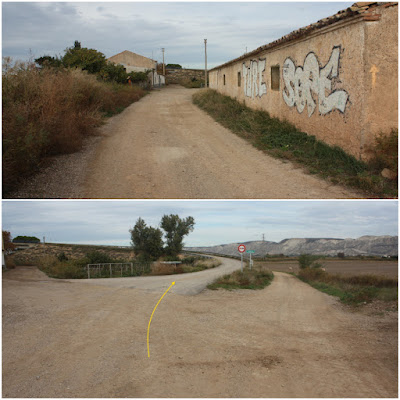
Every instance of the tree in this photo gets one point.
(89, 60)
(26, 239)
(175, 66)
(8, 244)
(48, 61)
(175, 229)
(146, 240)
(113, 72)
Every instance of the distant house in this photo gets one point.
(136, 63)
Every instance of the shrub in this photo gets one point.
(308, 261)
(97, 257)
(384, 153)
(50, 111)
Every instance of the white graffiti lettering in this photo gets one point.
(252, 79)
(301, 83)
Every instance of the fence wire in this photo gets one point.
(114, 270)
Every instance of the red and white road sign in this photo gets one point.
(241, 248)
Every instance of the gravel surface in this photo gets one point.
(62, 179)
(166, 147)
(63, 339)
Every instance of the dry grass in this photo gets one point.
(351, 289)
(48, 112)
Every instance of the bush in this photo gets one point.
(50, 111)
(97, 257)
(384, 153)
(308, 261)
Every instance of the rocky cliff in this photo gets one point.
(365, 245)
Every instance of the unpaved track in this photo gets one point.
(165, 147)
(186, 284)
(63, 339)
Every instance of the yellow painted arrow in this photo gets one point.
(148, 328)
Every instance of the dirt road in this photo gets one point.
(63, 339)
(186, 284)
(165, 147)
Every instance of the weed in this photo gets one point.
(351, 289)
(256, 278)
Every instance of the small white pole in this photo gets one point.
(241, 262)
(250, 261)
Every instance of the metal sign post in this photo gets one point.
(251, 252)
(241, 249)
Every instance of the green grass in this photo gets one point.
(352, 290)
(257, 278)
(283, 140)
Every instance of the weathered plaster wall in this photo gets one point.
(323, 87)
(381, 69)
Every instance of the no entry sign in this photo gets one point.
(241, 248)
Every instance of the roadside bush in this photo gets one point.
(162, 269)
(50, 111)
(97, 257)
(308, 261)
(384, 153)
(256, 278)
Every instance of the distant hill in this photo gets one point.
(364, 245)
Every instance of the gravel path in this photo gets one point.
(166, 147)
(186, 284)
(63, 339)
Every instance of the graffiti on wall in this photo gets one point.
(253, 84)
(302, 83)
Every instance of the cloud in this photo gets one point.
(145, 27)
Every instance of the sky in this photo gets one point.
(34, 29)
(216, 222)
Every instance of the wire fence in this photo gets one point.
(114, 270)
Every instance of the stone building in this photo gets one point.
(335, 79)
(136, 63)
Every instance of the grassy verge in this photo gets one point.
(64, 268)
(351, 290)
(282, 139)
(49, 112)
(256, 278)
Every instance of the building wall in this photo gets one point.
(133, 62)
(381, 80)
(325, 84)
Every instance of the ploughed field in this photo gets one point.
(385, 268)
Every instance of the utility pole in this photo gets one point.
(263, 237)
(163, 63)
(205, 69)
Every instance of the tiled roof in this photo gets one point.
(368, 11)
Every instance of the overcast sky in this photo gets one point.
(217, 222)
(48, 28)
